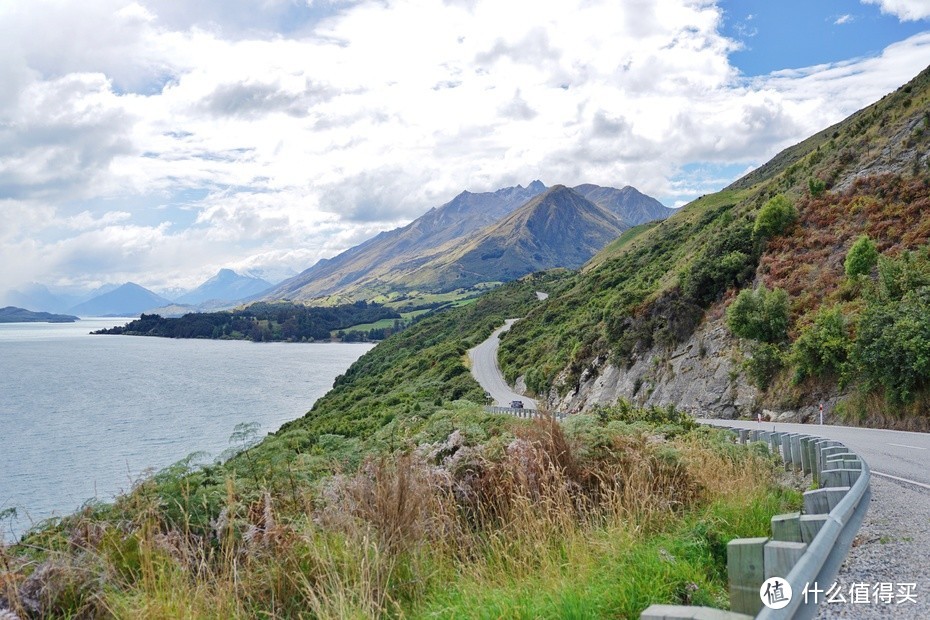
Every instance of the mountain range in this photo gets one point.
(226, 285)
(474, 239)
(477, 238)
(224, 290)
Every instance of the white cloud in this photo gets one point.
(161, 141)
(905, 10)
(843, 19)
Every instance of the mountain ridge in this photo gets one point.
(381, 252)
(227, 285)
(126, 300)
(558, 228)
(387, 262)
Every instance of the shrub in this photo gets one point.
(764, 364)
(908, 272)
(536, 381)
(823, 347)
(816, 186)
(862, 256)
(893, 348)
(760, 315)
(774, 218)
(728, 259)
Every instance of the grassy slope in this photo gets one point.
(489, 516)
(635, 294)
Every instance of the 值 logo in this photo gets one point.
(775, 593)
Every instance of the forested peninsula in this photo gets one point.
(260, 322)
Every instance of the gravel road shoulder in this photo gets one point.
(892, 547)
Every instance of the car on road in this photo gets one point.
(516, 404)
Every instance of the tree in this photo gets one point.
(774, 218)
(862, 256)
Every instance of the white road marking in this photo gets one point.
(901, 445)
(920, 484)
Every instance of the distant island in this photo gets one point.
(260, 322)
(12, 314)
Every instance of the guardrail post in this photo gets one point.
(828, 451)
(822, 501)
(805, 455)
(796, 452)
(816, 462)
(780, 557)
(775, 442)
(786, 450)
(746, 570)
(810, 526)
(787, 527)
(840, 477)
(743, 435)
(843, 460)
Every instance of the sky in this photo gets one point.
(157, 141)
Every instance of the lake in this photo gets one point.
(82, 417)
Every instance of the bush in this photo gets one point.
(862, 256)
(760, 315)
(816, 186)
(823, 347)
(774, 218)
(729, 259)
(908, 272)
(893, 348)
(764, 364)
(536, 381)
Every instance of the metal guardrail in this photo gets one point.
(824, 555)
(809, 548)
(526, 413)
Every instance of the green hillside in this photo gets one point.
(646, 293)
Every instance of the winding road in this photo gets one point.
(487, 373)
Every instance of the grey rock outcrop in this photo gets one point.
(700, 376)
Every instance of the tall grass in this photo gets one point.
(599, 518)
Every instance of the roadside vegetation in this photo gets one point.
(469, 515)
(398, 496)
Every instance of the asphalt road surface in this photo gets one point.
(894, 455)
(488, 374)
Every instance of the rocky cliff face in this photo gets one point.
(701, 376)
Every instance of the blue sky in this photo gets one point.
(789, 34)
(161, 141)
